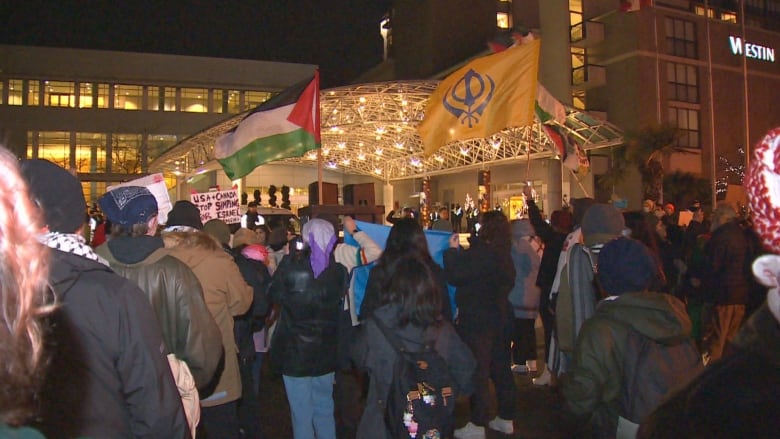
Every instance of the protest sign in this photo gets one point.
(222, 205)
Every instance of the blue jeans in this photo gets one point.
(311, 406)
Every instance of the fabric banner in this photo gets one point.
(438, 242)
(485, 96)
(222, 205)
(287, 125)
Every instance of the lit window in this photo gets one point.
(578, 99)
(502, 20)
(33, 90)
(255, 98)
(86, 99)
(102, 95)
(93, 190)
(194, 100)
(91, 152)
(126, 153)
(153, 98)
(233, 101)
(128, 97)
(54, 146)
(728, 17)
(170, 98)
(157, 144)
(216, 101)
(59, 94)
(15, 91)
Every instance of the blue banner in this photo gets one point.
(438, 242)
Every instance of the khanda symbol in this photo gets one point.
(469, 97)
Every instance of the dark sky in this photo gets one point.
(341, 36)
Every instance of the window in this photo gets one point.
(102, 95)
(687, 121)
(55, 147)
(680, 38)
(15, 87)
(128, 97)
(503, 20)
(194, 100)
(169, 98)
(255, 98)
(93, 190)
(33, 92)
(216, 101)
(91, 152)
(126, 153)
(683, 85)
(233, 101)
(576, 25)
(578, 66)
(158, 144)
(153, 98)
(578, 99)
(59, 94)
(86, 98)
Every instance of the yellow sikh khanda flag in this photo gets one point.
(486, 96)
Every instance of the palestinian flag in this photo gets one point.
(287, 125)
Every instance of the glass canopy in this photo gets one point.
(370, 129)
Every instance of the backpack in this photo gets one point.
(420, 403)
(651, 370)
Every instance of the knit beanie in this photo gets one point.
(218, 229)
(128, 205)
(601, 223)
(57, 192)
(521, 228)
(184, 213)
(625, 266)
(762, 183)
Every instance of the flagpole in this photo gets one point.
(713, 153)
(319, 176)
(745, 83)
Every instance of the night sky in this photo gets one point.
(341, 36)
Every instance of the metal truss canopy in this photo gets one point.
(371, 129)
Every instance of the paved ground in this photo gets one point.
(538, 409)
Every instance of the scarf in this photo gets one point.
(70, 243)
(321, 238)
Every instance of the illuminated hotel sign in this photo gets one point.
(751, 50)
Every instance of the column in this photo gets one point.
(553, 198)
(387, 198)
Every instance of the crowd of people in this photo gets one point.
(656, 324)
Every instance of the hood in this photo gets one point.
(129, 250)
(65, 270)
(658, 316)
(193, 248)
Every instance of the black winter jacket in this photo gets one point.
(305, 342)
(108, 375)
(726, 255)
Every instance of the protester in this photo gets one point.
(726, 282)
(633, 332)
(524, 297)
(107, 376)
(443, 223)
(226, 295)
(309, 286)
(736, 396)
(135, 253)
(483, 275)
(24, 265)
(411, 303)
(251, 219)
(406, 238)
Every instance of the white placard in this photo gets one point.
(223, 205)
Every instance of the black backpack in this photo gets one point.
(651, 371)
(421, 402)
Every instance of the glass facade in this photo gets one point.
(91, 152)
(54, 146)
(158, 144)
(126, 153)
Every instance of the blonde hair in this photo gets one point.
(23, 295)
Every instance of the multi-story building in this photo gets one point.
(708, 67)
(107, 115)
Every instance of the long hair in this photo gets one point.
(413, 286)
(496, 231)
(23, 292)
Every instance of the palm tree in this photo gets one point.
(645, 149)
